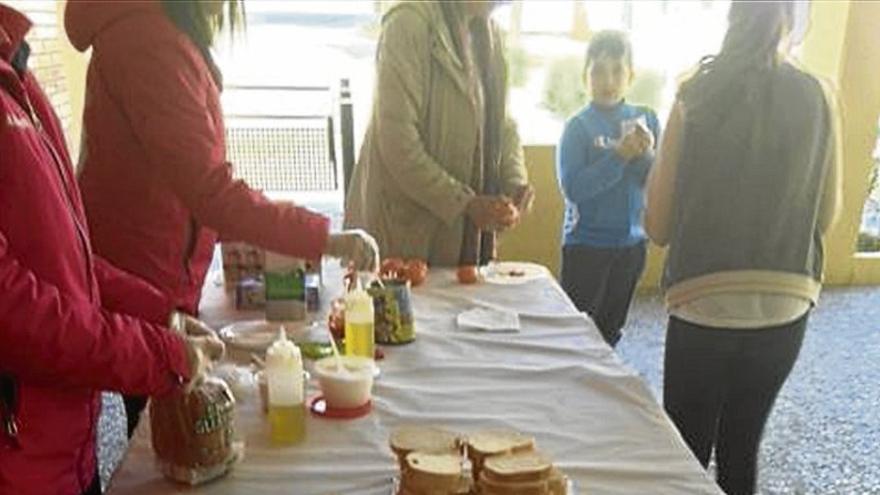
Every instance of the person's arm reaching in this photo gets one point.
(166, 107)
(47, 337)
(122, 292)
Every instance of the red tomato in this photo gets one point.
(467, 274)
(336, 319)
(350, 280)
(416, 271)
(392, 268)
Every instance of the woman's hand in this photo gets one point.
(201, 352)
(524, 198)
(193, 327)
(356, 248)
(492, 212)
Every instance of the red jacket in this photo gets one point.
(154, 175)
(65, 332)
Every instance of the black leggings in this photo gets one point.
(601, 283)
(134, 406)
(95, 487)
(719, 386)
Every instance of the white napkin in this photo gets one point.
(489, 320)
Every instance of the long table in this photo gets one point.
(556, 379)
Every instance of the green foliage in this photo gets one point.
(647, 88)
(867, 243)
(517, 65)
(564, 91)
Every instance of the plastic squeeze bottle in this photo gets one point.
(359, 317)
(284, 376)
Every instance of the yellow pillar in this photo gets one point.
(843, 45)
(74, 64)
(823, 47)
(538, 237)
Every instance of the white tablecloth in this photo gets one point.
(556, 380)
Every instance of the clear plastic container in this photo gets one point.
(284, 377)
(360, 339)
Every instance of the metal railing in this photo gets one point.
(284, 151)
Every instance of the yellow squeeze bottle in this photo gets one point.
(284, 377)
(359, 336)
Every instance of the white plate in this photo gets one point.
(513, 273)
(258, 335)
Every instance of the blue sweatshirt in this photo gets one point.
(603, 194)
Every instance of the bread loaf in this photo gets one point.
(425, 439)
(487, 443)
(489, 486)
(522, 467)
(494, 442)
(192, 433)
(503, 462)
(434, 473)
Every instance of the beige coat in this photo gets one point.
(410, 187)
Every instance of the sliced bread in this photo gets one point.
(427, 439)
(523, 466)
(432, 473)
(494, 442)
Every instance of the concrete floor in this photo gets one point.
(824, 434)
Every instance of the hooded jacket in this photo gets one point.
(156, 184)
(68, 325)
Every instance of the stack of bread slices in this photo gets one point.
(434, 461)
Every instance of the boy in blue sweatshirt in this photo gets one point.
(602, 164)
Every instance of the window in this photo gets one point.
(308, 43)
(869, 230)
(282, 99)
(547, 43)
(45, 60)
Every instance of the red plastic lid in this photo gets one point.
(318, 407)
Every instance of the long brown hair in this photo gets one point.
(192, 18)
(749, 51)
(202, 26)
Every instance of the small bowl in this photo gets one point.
(346, 390)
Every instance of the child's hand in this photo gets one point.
(631, 146)
(635, 144)
(646, 138)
